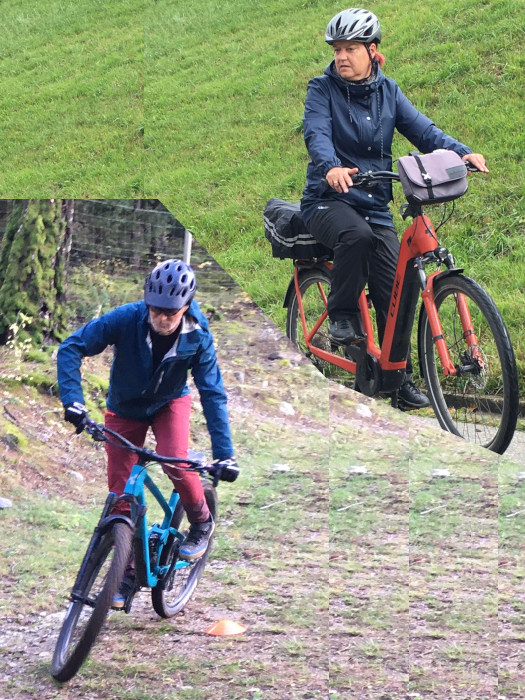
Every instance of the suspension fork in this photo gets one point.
(438, 339)
(437, 331)
(466, 323)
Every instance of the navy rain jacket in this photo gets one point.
(350, 125)
(135, 391)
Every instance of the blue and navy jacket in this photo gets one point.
(352, 125)
(135, 391)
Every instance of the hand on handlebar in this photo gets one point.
(224, 470)
(77, 414)
(340, 179)
(477, 161)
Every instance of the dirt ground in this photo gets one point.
(410, 604)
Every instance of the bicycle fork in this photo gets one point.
(449, 369)
(101, 527)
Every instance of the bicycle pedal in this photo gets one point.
(127, 603)
(356, 351)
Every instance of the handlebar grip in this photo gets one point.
(360, 179)
(226, 472)
(471, 167)
(229, 473)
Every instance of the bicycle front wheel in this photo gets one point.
(91, 601)
(172, 593)
(480, 403)
(314, 288)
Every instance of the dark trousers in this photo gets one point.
(362, 252)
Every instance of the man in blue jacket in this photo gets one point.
(350, 115)
(156, 343)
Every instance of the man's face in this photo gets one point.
(352, 61)
(165, 321)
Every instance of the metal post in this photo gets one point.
(188, 240)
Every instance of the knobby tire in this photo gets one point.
(172, 593)
(83, 622)
(481, 406)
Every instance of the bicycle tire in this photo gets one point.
(310, 283)
(83, 621)
(172, 593)
(480, 406)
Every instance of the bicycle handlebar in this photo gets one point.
(218, 471)
(100, 432)
(373, 177)
(364, 179)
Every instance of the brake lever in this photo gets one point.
(96, 431)
(471, 168)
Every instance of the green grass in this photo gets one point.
(268, 568)
(71, 98)
(414, 579)
(230, 81)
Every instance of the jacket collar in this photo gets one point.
(356, 89)
(193, 320)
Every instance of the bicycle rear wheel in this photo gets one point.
(314, 287)
(481, 403)
(91, 601)
(172, 593)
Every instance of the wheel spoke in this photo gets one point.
(480, 402)
(91, 600)
(172, 593)
(315, 287)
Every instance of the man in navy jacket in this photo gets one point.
(350, 115)
(156, 343)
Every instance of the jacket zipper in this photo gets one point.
(159, 382)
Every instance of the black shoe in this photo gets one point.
(410, 396)
(197, 540)
(126, 588)
(346, 330)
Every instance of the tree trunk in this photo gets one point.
(33, 271)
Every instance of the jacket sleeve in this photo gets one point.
(89, 340)
(208, 380)
(317, 123)
(421, 131)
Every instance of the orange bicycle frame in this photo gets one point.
(419, 239)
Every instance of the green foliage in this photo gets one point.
(38, 355)
(32, 275)
(462, 65)
(93, 292)
(13, 223)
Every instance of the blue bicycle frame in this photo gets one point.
(139, 479)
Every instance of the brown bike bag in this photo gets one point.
(436, 177)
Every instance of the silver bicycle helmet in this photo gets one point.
(354, 25)
(171, 285)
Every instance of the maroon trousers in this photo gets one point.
(171, 428)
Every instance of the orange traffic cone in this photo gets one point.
(225, 628)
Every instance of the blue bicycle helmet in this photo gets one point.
(171, 285)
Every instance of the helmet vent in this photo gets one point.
(170, 285)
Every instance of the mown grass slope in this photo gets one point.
(71, 100)
(225, 86)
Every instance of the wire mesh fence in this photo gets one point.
(124, 236)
